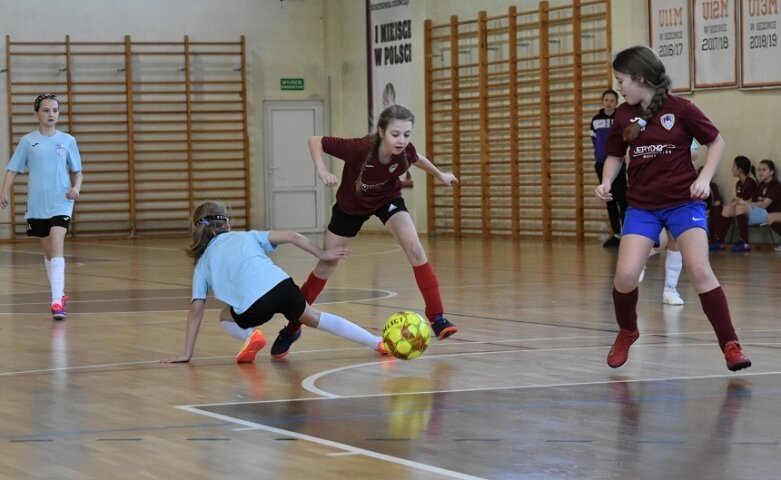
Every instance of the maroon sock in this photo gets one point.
(429, 288)
(722, 224)
(714, 304)
(714, 216)
(625, 305)
(742, 221)
(312, 288)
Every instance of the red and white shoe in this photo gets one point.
(60, 310)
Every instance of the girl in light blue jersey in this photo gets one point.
(52, 160)
(235, 267)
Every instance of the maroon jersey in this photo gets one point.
(660, 167)
(771, 190)
(745, 190)
(380, 182)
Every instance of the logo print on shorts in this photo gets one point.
(668, 120)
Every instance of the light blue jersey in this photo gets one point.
(49, 161)
(235, 267)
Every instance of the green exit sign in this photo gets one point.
(291, 83)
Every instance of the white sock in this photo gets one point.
(235, 331)
(57, 278)
(346, 329)
(48, 264)
(673, 264)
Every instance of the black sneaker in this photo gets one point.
(443, 328)
(612, 242)
(283, 342)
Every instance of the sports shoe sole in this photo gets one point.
(739, 366)
(447, 332)
(279, 356)
(252, 345)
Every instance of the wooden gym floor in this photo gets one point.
(522, 391)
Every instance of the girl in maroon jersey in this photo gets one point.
(745, 188)
(656, 130)
(370, 186)
(763, 207)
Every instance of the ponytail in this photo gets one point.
(208, 220)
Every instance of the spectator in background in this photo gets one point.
(745, 188)
(763, 208)
(600, 126)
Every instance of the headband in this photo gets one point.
(208, 218)
(45, 96)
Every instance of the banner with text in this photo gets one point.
(671, 39)
(391, 55)
(761, 52)
(715, 44)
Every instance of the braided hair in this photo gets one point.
(208, 220)
(42, 97)
(393, 112)
(643, 64)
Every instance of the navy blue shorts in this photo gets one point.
(649, 223)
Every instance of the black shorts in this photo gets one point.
(40, 227)
(285, 298)
(346, 225)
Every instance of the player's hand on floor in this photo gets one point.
(179, 359)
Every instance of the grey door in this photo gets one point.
(295, 196)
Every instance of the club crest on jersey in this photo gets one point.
(668, 120)
(393, 167)
(60, 150)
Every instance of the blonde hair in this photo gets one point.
(208, 220)
(643, 64)
(394, 112)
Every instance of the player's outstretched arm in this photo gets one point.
(194, 319)
(279, 237)
(427, 166)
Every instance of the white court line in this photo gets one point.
(329, 443)
(326, 350)
(308, 383)
(495, 389)
(125, 247)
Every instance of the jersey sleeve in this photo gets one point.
(200, 285)
(412, 153)
(615, 146)
(700, 126)
(749, 189)
(261, 236)
(74, 157)
(342, 148)
(18, 162)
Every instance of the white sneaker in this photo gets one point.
(672, 297)
(777, 249)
